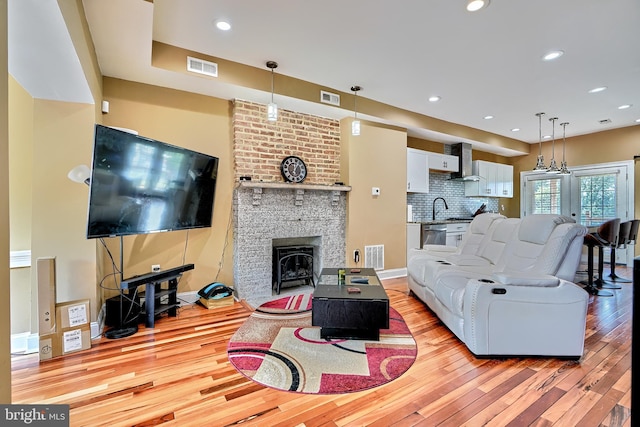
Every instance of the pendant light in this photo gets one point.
(540, 163)
(563, 166)
(272, 108)
(355, 124)
(553, 167)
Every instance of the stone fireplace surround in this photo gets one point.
(287, 214)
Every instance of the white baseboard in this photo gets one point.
(188, 297)
(24, 343)
(97, 327)
(392, 274)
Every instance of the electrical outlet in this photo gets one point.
(155, 268)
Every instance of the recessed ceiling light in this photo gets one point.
(546, 137)
(223, 25)
(515, 130)
(434, 98)
(624, 107)
(474, 5)
(555, 54)
(598, 89)
(637, 120)
(489, 117)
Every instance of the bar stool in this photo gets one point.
(606, 235)
(623, 240)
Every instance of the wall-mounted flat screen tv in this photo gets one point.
(139, 185)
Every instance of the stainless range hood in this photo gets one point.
(465, 169)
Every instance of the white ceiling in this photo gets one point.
(487, 62)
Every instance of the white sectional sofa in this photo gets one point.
(508, 289)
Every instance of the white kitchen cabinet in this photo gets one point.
(417, 171)
(443, 162)
(496, 180)
(504, 185)
(455, 231)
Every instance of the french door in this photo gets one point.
(591, 195)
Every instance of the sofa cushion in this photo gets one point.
(555, 250)
(478, 229)
(449, 290)
(538, 228)
(496, 239)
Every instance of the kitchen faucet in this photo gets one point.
(433, 208)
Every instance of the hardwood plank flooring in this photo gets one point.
(178, 374)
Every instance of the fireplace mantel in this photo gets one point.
(292, 186)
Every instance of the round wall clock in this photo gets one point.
(293, 169)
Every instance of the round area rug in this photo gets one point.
(277, 347)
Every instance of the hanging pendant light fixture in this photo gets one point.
(563, 165)
(355, 124)
(272, 108)
(540, 163)
(553, 167)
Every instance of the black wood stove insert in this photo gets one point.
(292, 264)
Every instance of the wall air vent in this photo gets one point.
(604, 121)
(201, 66)
(329, 98)
(374, 257)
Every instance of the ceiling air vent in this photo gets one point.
(330, 98)
(201, 66)
(604, 121)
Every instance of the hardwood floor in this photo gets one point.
(178, 374)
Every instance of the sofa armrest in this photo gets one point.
(516, 278)
(501, 319)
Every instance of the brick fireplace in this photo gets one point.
(266, 214)
(268, 211)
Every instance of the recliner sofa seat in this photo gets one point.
(501, 297)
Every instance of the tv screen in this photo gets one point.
(140, 185)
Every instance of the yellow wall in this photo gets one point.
(5, 345)
(375, 158)
(198, 123)
(20, 206)
(62, 135)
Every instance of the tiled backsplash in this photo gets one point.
(453, 192)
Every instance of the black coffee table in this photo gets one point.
(341, 314)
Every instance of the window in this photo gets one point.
(546, 195)
(598, 198)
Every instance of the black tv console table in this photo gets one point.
(154, 291)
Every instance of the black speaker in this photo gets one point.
(130, 312)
